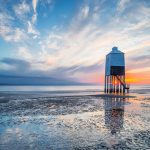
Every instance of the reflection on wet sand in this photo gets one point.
(114, 114)
(75, 122)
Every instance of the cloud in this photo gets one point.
(32, 30)
(34, 18)
(141, 58)
(24, 53)
(76, 68)
(12, 34)
(137, 62)
(84, 12)
(17, 66)
(27, 68)
(21, 9)
(34, 4)
(78, 49)
(122, 5)
(5, 18)
(139, 70)
(31, 22)
(86, 43)
(7, 30)
(16, 62)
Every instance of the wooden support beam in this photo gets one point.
(105, 84)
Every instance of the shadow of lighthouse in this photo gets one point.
(114, 114)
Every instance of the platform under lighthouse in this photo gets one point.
(115, 72)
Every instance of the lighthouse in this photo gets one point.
(115, 72)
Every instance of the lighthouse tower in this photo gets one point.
(115, 72)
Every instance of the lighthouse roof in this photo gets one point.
(115, 50)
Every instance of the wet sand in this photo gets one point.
(85, 122)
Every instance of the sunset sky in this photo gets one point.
(69, 39)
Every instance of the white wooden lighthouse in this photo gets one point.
(115, 72)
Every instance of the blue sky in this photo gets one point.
(70, 38)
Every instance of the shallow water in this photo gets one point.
(34, 121)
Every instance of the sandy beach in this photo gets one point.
(34, 121)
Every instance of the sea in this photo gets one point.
(74, 118)
(69, 90)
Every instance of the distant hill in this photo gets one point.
(21, 80)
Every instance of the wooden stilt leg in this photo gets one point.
(105, 85)
(110, 84)
(120, 84)
(124, 82)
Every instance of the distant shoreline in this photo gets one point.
(50, 84)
